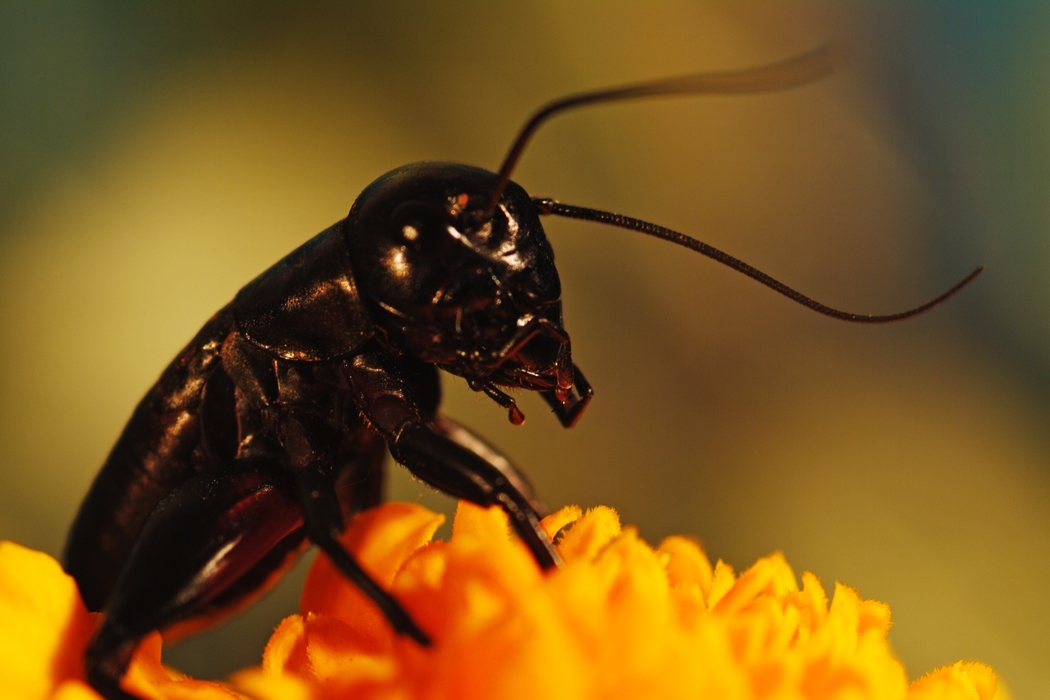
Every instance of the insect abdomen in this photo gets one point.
(153, 455)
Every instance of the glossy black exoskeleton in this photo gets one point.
(271, 426)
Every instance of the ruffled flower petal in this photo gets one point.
(619, 620)
(960, 681)
(44, 625)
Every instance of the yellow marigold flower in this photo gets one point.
(619, 620)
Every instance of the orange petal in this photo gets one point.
(75, 690)
(146, 673)
(43, 625)
(418, 583)
(260, 685)
(814, 604)
(960, 681)
(874, 615)
(688, 563)
(473, 521)
(597, 528)
(286, 650)
(722, 581)
(770, 575)
(341, 656)
(557, 521)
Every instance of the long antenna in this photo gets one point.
(549, 206)
(806, 68)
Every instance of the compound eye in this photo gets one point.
(422, 227)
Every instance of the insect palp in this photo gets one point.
(501, 398)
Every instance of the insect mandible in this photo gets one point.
(270, 428)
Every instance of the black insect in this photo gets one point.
(270, 428)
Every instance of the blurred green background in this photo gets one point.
(154, 157)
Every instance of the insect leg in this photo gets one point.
(438, 454)
(324, 518)
(463, 436)
(205, 551)
(461, 473)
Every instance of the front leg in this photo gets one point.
(419, 442)
(457, 471)
(463, 436)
